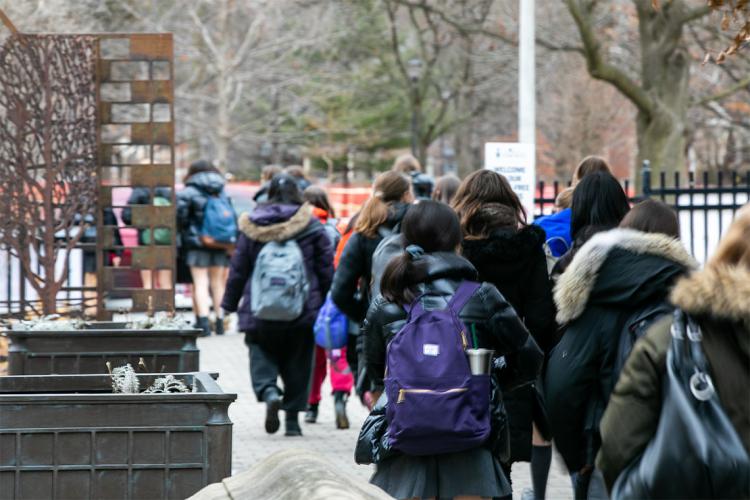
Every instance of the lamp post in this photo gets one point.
(414, 70)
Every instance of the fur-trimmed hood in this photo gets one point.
(718, 291)
(275, 222)
(639, 267)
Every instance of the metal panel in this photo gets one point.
(136, 71)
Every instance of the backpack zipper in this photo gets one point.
(402, 392)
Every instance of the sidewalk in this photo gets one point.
(228, 356)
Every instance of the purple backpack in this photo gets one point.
(435, 404)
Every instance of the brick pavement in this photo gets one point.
(228, 355)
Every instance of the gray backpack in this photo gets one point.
(279, 286)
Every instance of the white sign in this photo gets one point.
(516, 162)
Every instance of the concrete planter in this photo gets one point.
(88, 350)
(69, 436)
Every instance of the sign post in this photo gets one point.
(516, 162)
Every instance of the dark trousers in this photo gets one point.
(285, 353)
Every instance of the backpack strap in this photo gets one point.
(462, 296)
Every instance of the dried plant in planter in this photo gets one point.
(160, 321)
(125, 381)
(167, 384)
(51, 322)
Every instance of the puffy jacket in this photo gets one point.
(191, 203)
(719, 300)
(351, 283)
(514, 261)
(614, 275)
(276, 222)
(497, 325)
(495, 322)
(142, 196)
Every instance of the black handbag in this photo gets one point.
(696, 452)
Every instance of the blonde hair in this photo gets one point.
(389, 188)
(406, 164)
(564, 198)
(734, 247)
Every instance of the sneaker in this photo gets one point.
(311, 415)
(273, 405)
(292, 426)
(339, 405)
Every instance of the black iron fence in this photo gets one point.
(705, 204)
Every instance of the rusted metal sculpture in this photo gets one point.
(48, 149)
(84, 121)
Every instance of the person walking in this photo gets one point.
(429, 276)
(557, 225)
(208, 227)
(599, 204)
(718, 299)
(159, 196)
(379, 217)
(334, 360)
(508, 252)
(616, 285)
(266, 174)
(279, 275)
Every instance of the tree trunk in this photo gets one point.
(665, 76)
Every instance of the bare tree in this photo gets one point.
(48, 143)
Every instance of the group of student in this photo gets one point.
(579, 321)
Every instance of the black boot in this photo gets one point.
(273, 405)
(339, 405)
(204, 325)
(311, 416)
(292, 426)
(219, 326)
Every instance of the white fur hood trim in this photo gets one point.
(575, 284)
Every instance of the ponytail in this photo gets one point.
(372, 216)
(389, 188)
(402, 274)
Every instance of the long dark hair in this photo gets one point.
(599, 204)
(479, 189)
(430, 225)
(284, 189)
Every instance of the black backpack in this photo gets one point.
(635, 326)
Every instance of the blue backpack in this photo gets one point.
(219, 228)
(331, 326)
(435, 404)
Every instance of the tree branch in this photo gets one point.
(743, 84)
(598, 67)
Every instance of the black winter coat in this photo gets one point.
(496, 323)
(614, 275)
(271, 222)
(191, 203)
(351, 283)
(514, 261)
